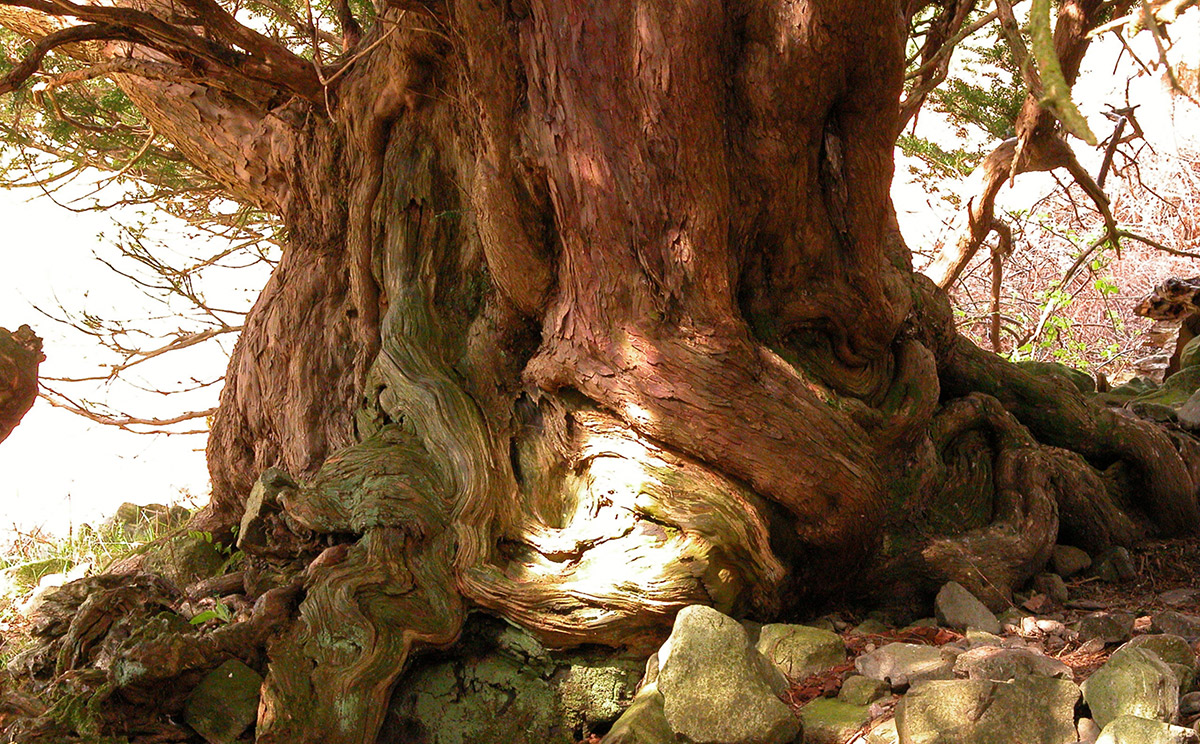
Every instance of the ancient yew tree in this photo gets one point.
(588, 311)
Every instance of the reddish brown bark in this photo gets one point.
(20, 355)
(581, 285)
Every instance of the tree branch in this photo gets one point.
(24, 69)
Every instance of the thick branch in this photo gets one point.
(20, 354)
(32, 61)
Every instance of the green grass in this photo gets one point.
(86, 550)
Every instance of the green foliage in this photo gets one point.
(941, 163)
(219, 613)
(983, 93)
(986, 92)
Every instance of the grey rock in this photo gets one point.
(1189, 705)
(489, 698)
(1087, 730)
(1068, 560)
(1052, 585)
(186, 559)
(642, 722)
(799, 651)
(826, 721)
(860, 690)
(717, 688)
(1110, 627)
(1032, 710)
(1177, 597)
(1152, 411)
(1189, 412)
(1116, 566)
(225, 703)
(1052, 627)
(1175, 623)
(883, 732)
(1170, 648)
(976, 638)
(592, 694)
(1011, 617)
(1186, 676)
(505, 687)
(823, 623)
(1134, 730)
(904, 664)
(1004, 664)
(958, 608)
(870, 626)
(1135, 682)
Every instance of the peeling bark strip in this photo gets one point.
(594, 310)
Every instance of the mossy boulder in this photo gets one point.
(1190, 356)
(185, 559)
(1080, 380)
(1031, 710)
(1175, 390)
(500, 684)
(225, 703)
(798, 650)
(827, 721)
(1133, 682)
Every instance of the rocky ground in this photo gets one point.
(1100, 650)
(1107, 654)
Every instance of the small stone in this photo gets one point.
(870, 626)
(904, 664)
(1186, 676)
(1068, 560)
(1005, 664)
(826, 721)
(800, 651)
(1033, 710)
(1170, 648)
(925, 622)
(883, 733)
(1010, 620)
(1189, 412)
(1086, 604)
(1189, 705)
(1029, 626)
(642, 722)
(1134, 730)
(1117, 566)
(225, 703)
(1169, 621)
(1051, 585)
(1110, 627)
(716, 687)
(959, 609)
(976, 638)
(823, 623)
(1052, 627)
(1134, 682)
(860, 690)
(1178, 597)
(1087, 730)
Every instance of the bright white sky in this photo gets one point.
(58, 469)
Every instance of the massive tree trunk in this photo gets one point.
(604, 310)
